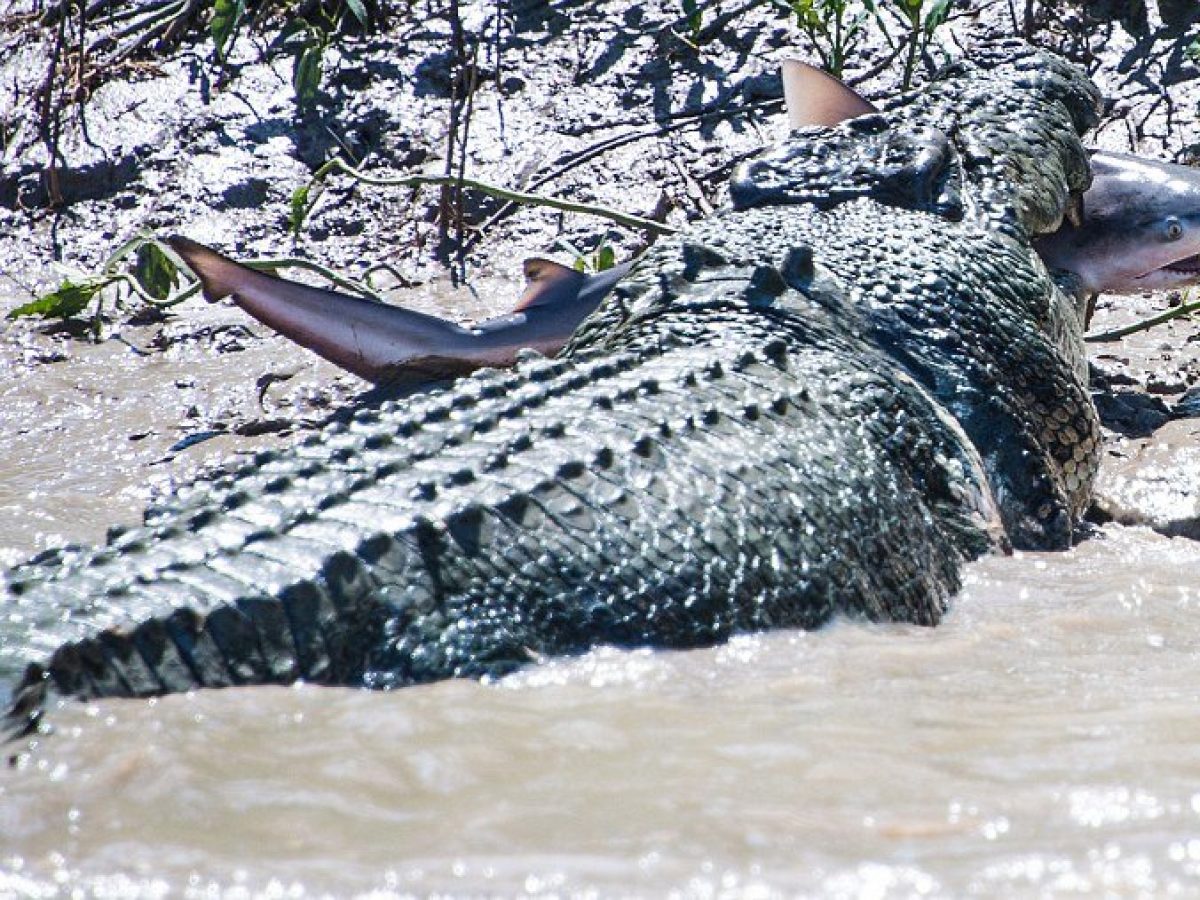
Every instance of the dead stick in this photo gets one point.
(1144, 325)
(604, 212)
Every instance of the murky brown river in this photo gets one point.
(1043, 740)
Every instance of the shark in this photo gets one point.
(1137, 227)
(1140, 228)
(391, 345)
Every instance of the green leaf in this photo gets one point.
(118, 255)
(306, 76)
(68, 300)
(937, 15)
(606, 258)
(299, 209)
(358, 10)
(1193, 51)
(293, 28)
(227, 15)
(155, 271)
(580, 263)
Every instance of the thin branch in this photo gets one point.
(293, 262)
(135, 288)
(1145, 325)
(579, 157)
(604, 212)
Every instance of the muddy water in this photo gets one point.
(1041, 741)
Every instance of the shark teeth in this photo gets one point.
(1190, 265)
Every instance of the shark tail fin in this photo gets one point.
(219, 275)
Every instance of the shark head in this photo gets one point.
(1139, 229)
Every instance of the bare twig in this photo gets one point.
(1145, 325)
(621, 218)
(450, 197)
(578, 158)
(294, 262)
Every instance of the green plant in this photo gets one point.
(154, 278)
(223, 27)
(833, 27)
(145, 269)
(921, 19)
(603, 257)
(89, 44)
(693, 14)
(308, 39)
(1192, 51)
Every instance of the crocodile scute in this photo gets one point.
(822, 399)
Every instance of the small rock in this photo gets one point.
(1188, 405)
(1159, 385)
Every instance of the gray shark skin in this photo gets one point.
(390, 345)
(822, 400)
(1139, 230)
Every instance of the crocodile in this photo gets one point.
(823, 399)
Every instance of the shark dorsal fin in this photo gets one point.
(814, 97)
(547, 283)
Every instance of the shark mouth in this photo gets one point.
(1189, 265)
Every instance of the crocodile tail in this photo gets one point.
(317, 629)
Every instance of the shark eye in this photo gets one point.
(1173, 229)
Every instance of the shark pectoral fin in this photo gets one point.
(814, 97)
(548, 283)
(556, 300)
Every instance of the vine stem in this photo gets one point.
(1145, 325)
(604, 212)
(294, 262)
(271, 264)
